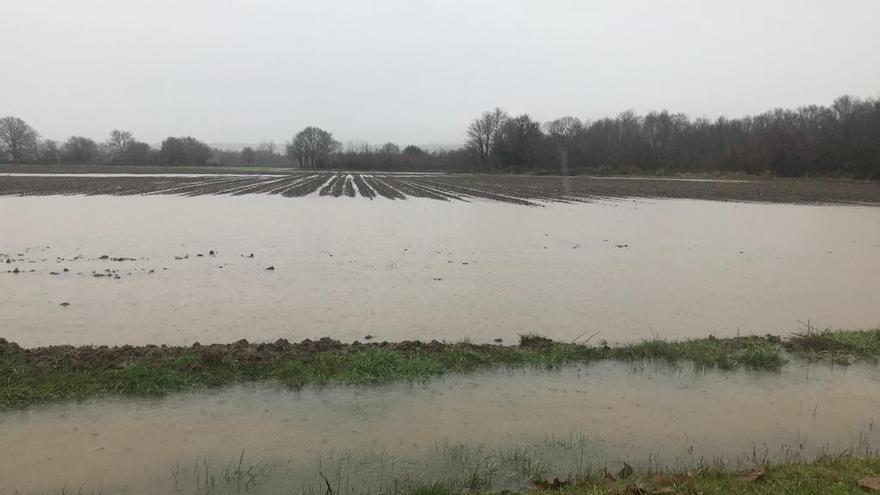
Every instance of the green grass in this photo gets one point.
(27, 380)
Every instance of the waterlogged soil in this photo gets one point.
(504, 427)
(514, 189)
(174, 270)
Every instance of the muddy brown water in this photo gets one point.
(425, 269)
(575, 419)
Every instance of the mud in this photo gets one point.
(516, 189)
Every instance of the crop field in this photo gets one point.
(517, 189)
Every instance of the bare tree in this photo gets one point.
(661, 132)
(390, 149)
(483, 134)
(49, 152)
(311, 146)
(518, 143)
(17, 137)
(564, 131)
(79, 149)
(248, 156)
(413, 150)
(119, 143)
(184, 151)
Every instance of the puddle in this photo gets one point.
(575, 419)
(424, 269)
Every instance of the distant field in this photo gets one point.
(517, 189)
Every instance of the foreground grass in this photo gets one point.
(840, 346)
(54, 374)
(841, 475)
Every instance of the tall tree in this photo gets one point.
(118, 144)
(390, 149)
(184, 151)
(311, 147)
(49, 152)
(413, 150)
(518, 143)
(565, 134)
(662, 131)
(79, 149)
(483, 134)
(248, 156)
(17, 137)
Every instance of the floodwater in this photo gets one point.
(576, 419)
(425, 269)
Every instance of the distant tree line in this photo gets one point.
(20, 143)
(839, 140)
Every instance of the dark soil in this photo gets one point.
(516, 189)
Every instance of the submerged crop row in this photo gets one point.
(63, 373)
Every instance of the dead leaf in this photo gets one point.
(751, 475)
(870, 484)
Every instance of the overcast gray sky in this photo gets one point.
(416, 71)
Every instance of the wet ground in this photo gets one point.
(505, 426)
(516, 189)
(175, 270)
(173, 259)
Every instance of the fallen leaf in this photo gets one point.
(751, 475)
(870, 484)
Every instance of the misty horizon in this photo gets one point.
(417, 72)
(353, 143)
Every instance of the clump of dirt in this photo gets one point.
(532, 340)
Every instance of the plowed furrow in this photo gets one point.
(305, 187)
(363, 188)
(414, 191)
(382, 188)
(480, 193)
(348, 187)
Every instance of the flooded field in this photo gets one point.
(528, 190)
(173, 259)
(505, 426)
(168, 269)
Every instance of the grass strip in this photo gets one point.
(30, 376)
